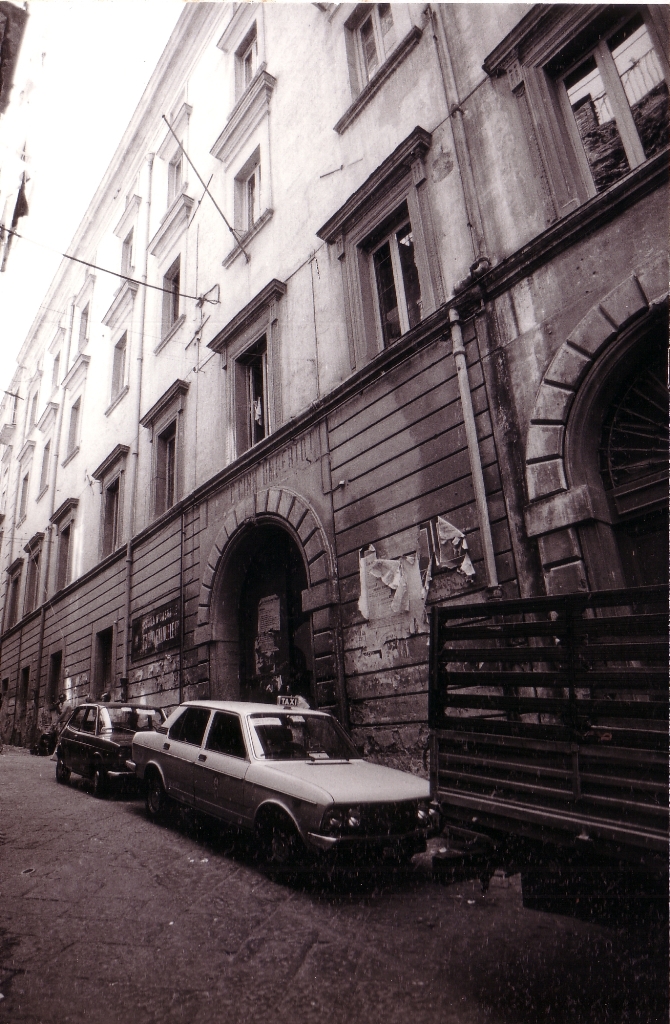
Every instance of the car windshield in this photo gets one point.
(129, 719)
(295, 737)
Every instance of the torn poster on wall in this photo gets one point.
(390, 586)
(443, 544)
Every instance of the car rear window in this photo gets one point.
(225, 735)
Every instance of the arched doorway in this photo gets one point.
(264, 644)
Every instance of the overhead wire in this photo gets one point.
(106, 270)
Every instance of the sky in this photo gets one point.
(81, 72)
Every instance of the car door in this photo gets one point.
(180, 750)
(87, 741)
(220, 769)
(71, 740)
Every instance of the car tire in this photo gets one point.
(62, 772)
(155, 798)
(280, 845)
(100, 782)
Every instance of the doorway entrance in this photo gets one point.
(266, 638)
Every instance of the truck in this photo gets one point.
(548, 725)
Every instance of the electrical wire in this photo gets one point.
(105, 270)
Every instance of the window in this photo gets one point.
(73, 432)
(55, 676)
(44, 475)
(25, 683)
(33, 410)
(83, 327)
(119, 365)
(374, 38)
(251, 396)
(384, 239)
(23, 501)
(110, 532)
(88, 723)
(164, 420)
(396, 278)
(592, 85)
(171, 285)
(55, 373)
(246, 61)
(63, 561)
(104, 660)
(225, 735)
(127, 253)
(34, 552)
(13, 596)
(248, 194)
(175, 176)
(190, 726)
(616, 103)
(166, 468)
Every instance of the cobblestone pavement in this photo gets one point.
(106, 917)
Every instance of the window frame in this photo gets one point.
(159, 420)
(549, 42)
(14, 574)
(33, 550)
(400, 179)
(119, 371)
(23, 496)
(127, 252)
(382, 51)
(64, 521)
(172, 314)
(236, 343)
(83, 332)
(74, 427)
(245, 219)
(44, 471)
(247, 48)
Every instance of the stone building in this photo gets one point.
(368, 313)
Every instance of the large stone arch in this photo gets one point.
(557, 503)
(284, 507)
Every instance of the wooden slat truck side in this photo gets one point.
(549, 720)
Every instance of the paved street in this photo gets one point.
(105, 917)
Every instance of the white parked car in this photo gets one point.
(290, 775)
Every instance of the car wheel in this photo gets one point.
(62, 772)
(99, 782)
(155, 796)
(280, 844)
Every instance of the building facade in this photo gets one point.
(369, 313)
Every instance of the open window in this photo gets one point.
(249, 346)
(111, 476)
(246, 61)
(64, 521)
(592, 82)
(384, 240)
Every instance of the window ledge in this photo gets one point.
(177, 325)
(42, 492)
(115, 401)
(251, 233)
(69, 457)
(404, 47)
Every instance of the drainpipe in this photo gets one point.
(136, 422)
(481, 260)
(473, 451)
(53, 474)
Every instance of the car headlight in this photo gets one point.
(338, 819)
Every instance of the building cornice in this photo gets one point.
(243, 13)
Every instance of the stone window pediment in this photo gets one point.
(122, 305)
(179, 124)
(26, 451)
(117, 454)
(245, 117)
(77, 373)
(66, 509)
(48, 417)
(128, 217)
(173, 225)
(84, 296)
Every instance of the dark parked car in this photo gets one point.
(97, 741)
